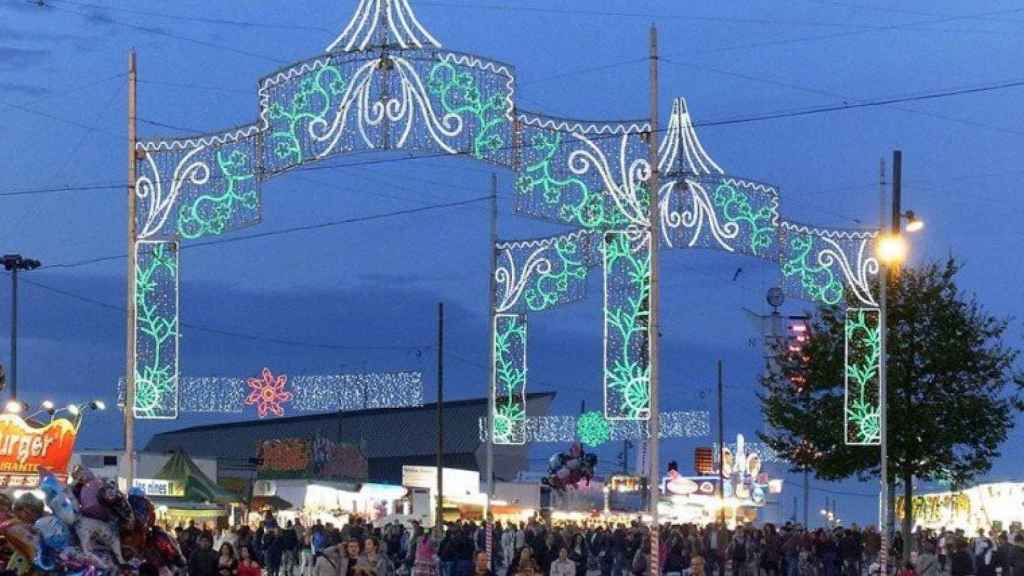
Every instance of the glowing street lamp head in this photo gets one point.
(46, 405)
(891, 249)
(98, 405)
(13, 407)
(74, 410)
(913, 222)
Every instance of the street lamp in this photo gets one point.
(13, 263)
(891, 250)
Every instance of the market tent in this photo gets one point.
(272, 502)
(198, 487)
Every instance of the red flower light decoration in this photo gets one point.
(268, 393)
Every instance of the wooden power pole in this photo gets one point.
(129, 377)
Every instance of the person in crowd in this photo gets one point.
(375, 558)
(927, 564)
(525, 565)
(425, 556)
(247, 564)
(203, 561)
(482, 564)
(563, 566)
(983, 552)
(227, 563)
(960, 562)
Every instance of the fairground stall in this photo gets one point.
(311, 479)
(998, 506)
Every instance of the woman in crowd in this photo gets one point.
(247, 564)
(227, 564)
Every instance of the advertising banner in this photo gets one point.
(25, 448)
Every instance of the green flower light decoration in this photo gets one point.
(593, 429)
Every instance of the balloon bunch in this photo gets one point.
(568, 469)
(93, 530)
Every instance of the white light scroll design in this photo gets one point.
(544, 273)
(383, 22)
(821, 264)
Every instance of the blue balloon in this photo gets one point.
(54, 537)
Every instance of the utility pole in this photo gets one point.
(129, 377)
(883, 288)
(654, 326)
(13, 263)
(721, 451)
(488, 517)
(439, 521)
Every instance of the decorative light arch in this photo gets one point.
(387, 84)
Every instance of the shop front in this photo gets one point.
(27, 446)
(316, 479)
(462, 497)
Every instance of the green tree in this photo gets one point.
(953, 389)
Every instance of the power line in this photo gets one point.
(285, 231)
(228, 333)
(867, 103)
(160, 32)
(199, 19)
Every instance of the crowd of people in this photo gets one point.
(536, 549)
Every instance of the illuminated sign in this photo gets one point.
(154, 487)
(317, 459)
(25, 448)
(456, 482)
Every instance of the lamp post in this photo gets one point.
(891, 252)
(13, 263)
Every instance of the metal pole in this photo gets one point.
(883, 281)
(439, 512)
(653, 339)
(807, 497)
(721, 450)
(14, 332)
(490, 388)
(129, 377)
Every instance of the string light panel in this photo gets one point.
(862, 413)
(385, 83)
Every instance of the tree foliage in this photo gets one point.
(952, 384)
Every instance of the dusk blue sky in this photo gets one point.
(63, 97)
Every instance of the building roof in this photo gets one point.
(380, 432)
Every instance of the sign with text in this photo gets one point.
(154, 487)
(25, 448)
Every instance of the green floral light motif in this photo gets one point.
(510, 380)
(549, 287)
(627, 319)
(460, 94)
(313, 101)
(155, 385)
(863, 349)
(212, 214)
(592, 210)
(736, 208)
(593, 429)
(817, 280)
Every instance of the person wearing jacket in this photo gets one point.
(927, 563)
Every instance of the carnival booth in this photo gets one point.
(182, 492)
(736, 492)
(311, 479)
(998, 506)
